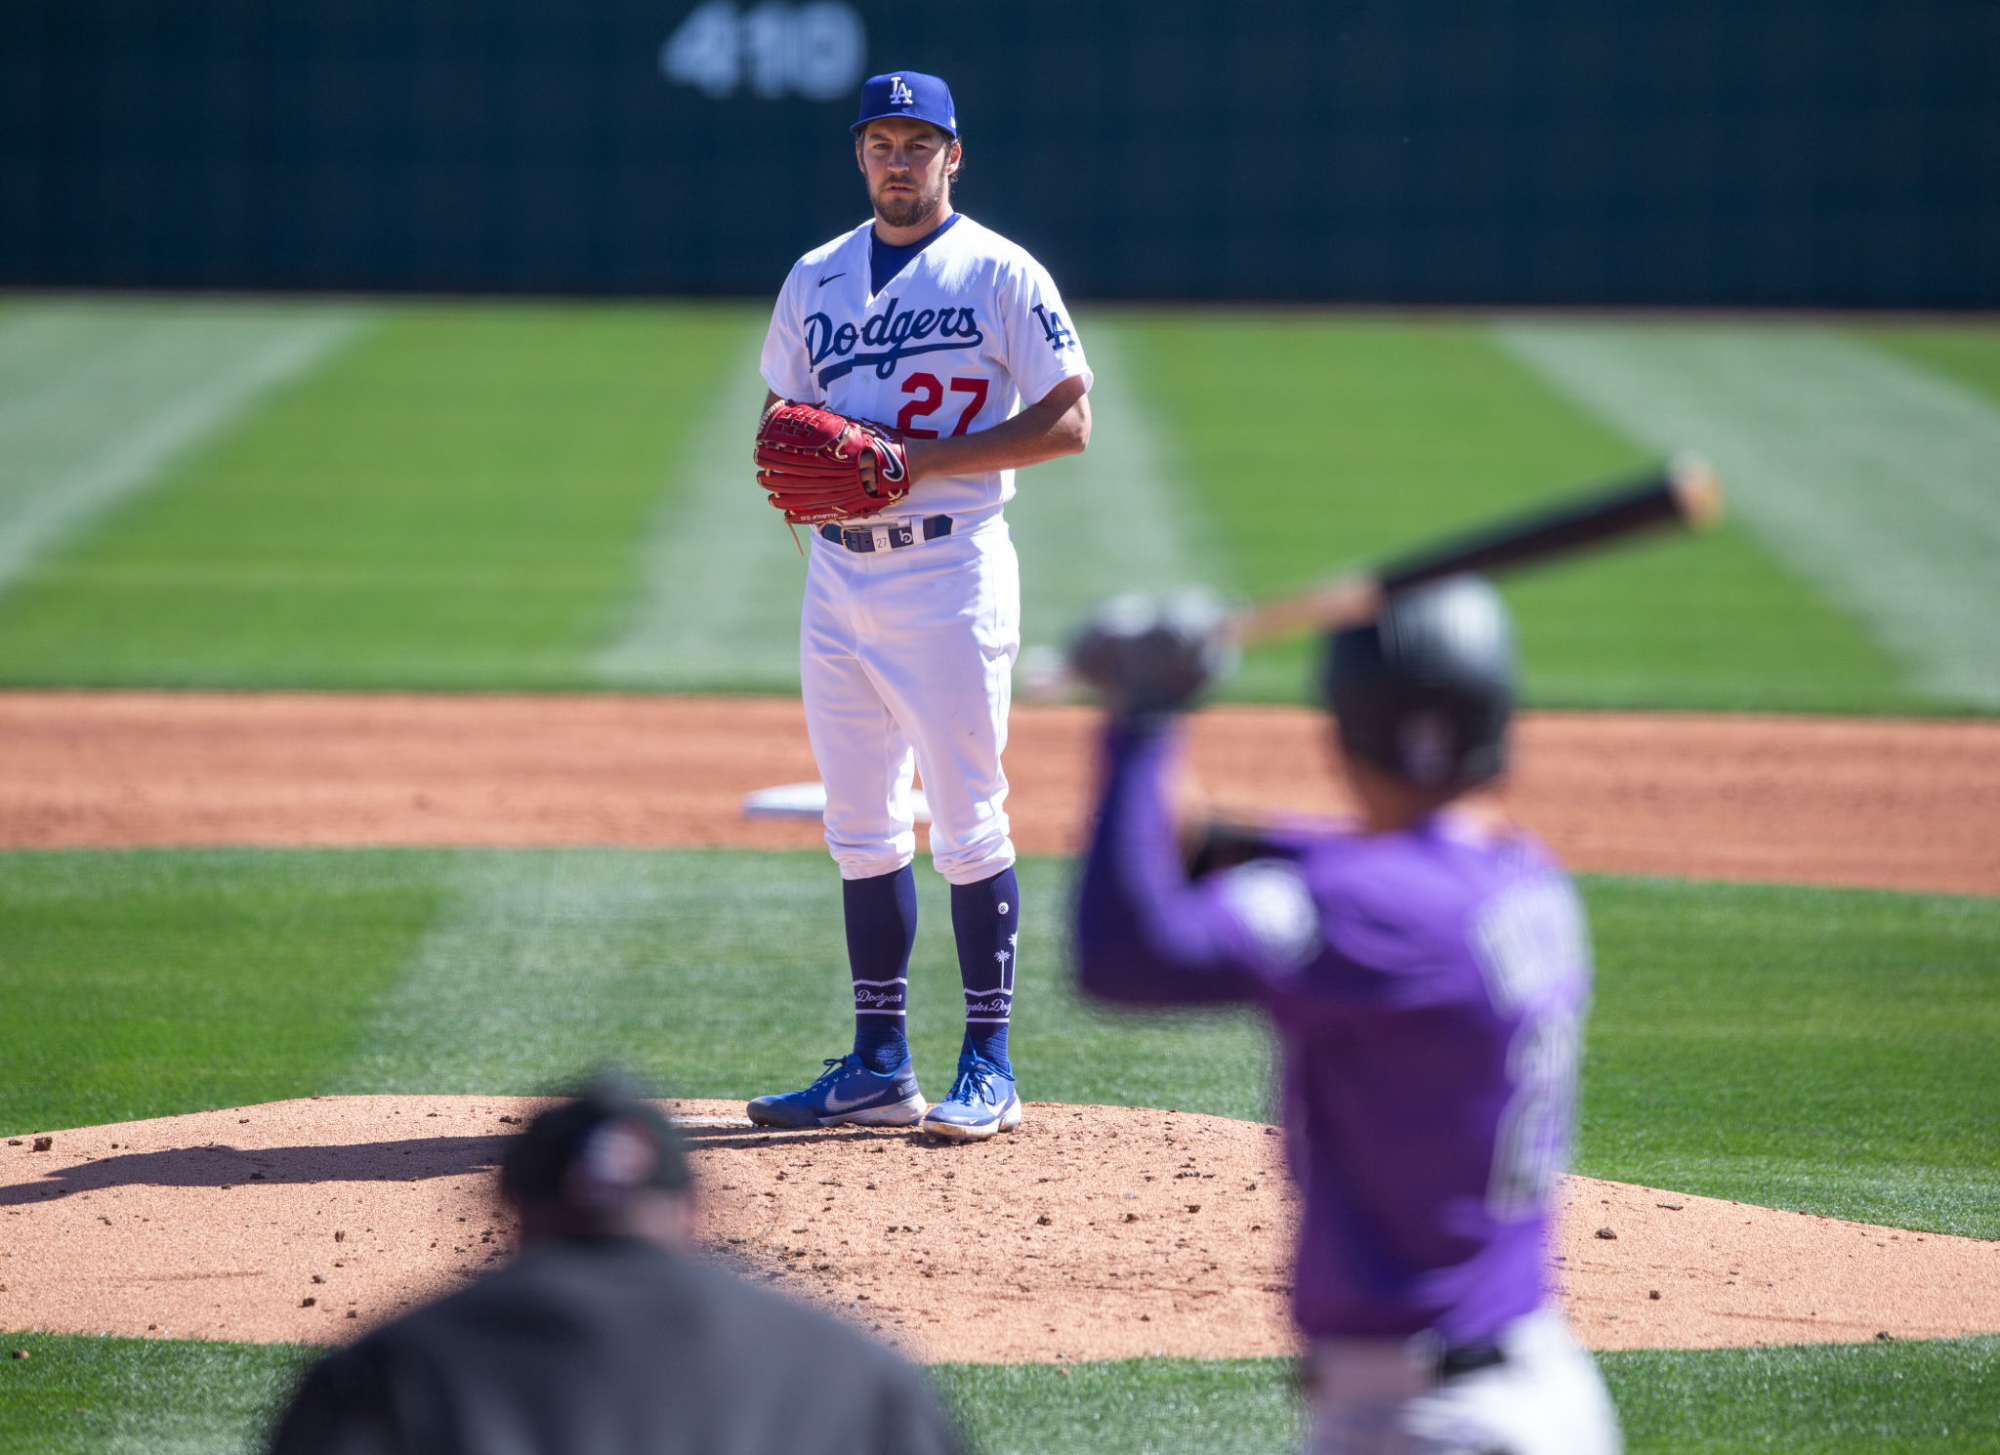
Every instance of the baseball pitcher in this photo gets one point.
(1427, 971)
(914, 364)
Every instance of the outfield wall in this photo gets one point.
(1824, 153)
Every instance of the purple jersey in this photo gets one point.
(1428, 989)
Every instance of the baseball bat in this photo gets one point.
(1685, 491)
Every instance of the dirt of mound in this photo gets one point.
(1090, 1233)
(1896, 804)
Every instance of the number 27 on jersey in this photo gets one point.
(927, 395)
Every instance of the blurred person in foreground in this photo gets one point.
(1427, 971)
(608, 1335)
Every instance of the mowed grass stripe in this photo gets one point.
(710, 969)
(717, 602)
(1871, 478)
(1812, 1399)
(724, 973)
(1320, 441)
(510, 496)
(1836, 1051)
(719, 608)
(76, 1395)
(1832, 1050)
(1117, 517)
(1963, 351)
(148, 983)
(456, 501)
(97, 399)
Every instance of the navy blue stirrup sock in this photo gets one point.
(881, 918)
(985, 920)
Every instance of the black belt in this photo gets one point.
(1467, 1358)
(900, 533)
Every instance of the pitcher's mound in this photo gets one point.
(1089, 1233)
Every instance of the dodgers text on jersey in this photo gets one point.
(895, 337)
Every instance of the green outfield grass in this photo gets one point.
(1937, 1398)
(96, 1396)
(456, 500)
(143, 984)
(494, 496)
(1832, 1050)
(150, 982)
(1968, 353)
(1316, 441)
(76, 1395)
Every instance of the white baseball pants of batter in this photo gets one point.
(906, 662)
(1383, 1397)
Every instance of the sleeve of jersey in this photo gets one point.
(1145, 935)
(784, 364)
(1042, 346)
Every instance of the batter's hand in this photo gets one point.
(1150, 656)
(821, 466)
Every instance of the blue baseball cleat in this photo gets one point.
(848, 1093)
(982, 1102)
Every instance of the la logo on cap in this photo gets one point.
(899, 92)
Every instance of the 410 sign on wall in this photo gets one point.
(818, 50)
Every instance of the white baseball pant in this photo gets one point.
(1383, 1397)
(906, 661)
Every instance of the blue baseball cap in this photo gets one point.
(911, 94)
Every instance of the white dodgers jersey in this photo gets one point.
(968, 331)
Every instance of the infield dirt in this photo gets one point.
(1847, 801)
(1090, 1233)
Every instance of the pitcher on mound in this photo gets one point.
(914, 364)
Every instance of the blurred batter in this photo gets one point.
(1427, 972)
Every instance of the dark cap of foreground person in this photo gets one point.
(608, 1335)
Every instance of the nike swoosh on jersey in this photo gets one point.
(831, 276)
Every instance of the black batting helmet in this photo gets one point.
(1425, 690)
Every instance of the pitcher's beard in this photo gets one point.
(909, 211)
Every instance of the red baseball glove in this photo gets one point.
(822, 466)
